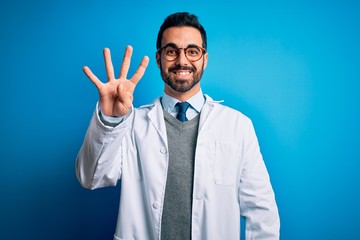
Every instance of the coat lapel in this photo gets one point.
(206, 111)
(156, 117)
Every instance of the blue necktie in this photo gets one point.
(183, 106)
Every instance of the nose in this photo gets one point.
(182, 59)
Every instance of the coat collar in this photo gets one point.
(156, 114)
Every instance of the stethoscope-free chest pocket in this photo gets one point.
(227, 158)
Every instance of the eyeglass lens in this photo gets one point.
(171, 53)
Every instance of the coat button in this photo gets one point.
(163, 150)
(156, 205)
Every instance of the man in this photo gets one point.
(189, 167)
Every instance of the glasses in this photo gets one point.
(171, 52)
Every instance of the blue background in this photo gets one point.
(292, 67)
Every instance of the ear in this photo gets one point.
(206, 55)
(158, 59)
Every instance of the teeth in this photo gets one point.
(183, 73)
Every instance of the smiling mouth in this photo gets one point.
(182, 73)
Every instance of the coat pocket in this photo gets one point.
(227, 159)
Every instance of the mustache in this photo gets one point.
(178, 67)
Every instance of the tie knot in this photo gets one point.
(183, 106)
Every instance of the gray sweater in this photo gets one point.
(176, 217)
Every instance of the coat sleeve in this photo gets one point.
(257, 199)
(99, 161)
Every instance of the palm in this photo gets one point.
(116, 96)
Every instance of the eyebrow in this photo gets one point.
(170, 45)
(174, 45)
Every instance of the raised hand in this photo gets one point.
(116, 96)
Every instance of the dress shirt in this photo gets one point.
(196, 103)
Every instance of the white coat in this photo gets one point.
(230, 177)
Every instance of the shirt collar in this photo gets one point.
(196, 102)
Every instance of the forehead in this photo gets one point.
(181, 36)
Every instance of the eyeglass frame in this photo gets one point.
(203, 51)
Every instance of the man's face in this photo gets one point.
(181, 75)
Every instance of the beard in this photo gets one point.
(181, 85)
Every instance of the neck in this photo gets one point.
(182, 96)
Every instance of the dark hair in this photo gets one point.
(181, 19)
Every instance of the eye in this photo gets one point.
(171, 51)
(193, 51)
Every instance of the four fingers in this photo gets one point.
(124, 68)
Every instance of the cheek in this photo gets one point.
(198, 67)
(165, 66)
(162, 67)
